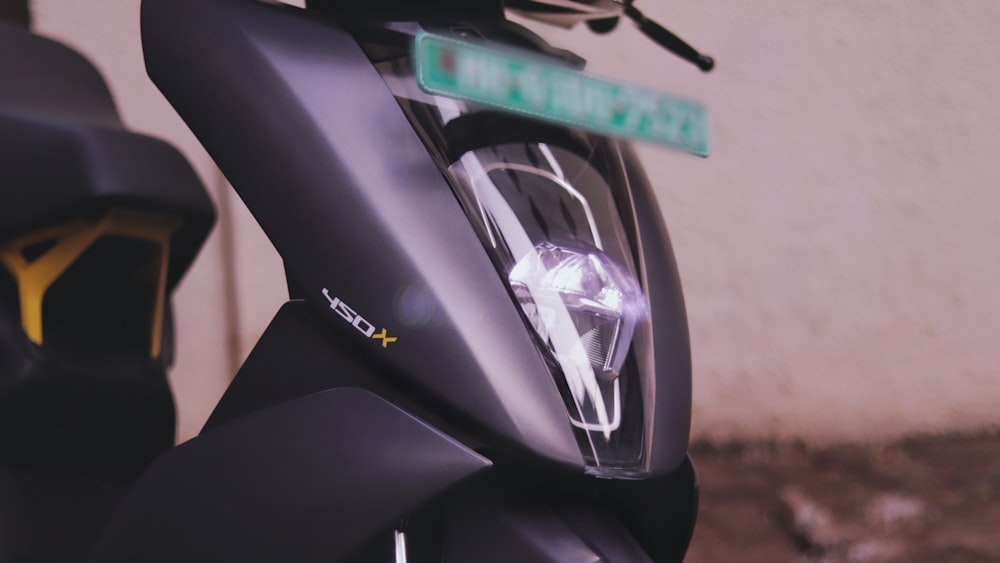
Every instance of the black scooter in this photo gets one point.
(485, 353)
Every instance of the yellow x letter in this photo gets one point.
(386, 339)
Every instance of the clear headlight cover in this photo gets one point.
(553, 226)
(557, 236)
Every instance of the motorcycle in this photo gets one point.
(484, 356)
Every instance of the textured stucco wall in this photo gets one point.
(838, 249)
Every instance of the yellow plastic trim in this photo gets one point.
(73, 239)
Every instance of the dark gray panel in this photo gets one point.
(52, 80)
(500, 528)
(307, 480)
(296, 357)
(54, 517)
(15, 11)
(671, 346)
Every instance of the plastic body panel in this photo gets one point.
(54, 517)
(401, 10)
(548, 508)
(296, 357)
(671, 344)
(293, 358)
(319, 150)
(310, 479)
(522, 529)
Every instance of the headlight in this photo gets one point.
(555, 231)
(585, 307)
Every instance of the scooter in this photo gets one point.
(97, 226)
(485, 355)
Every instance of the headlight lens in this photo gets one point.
(586, 307)
(555, 231)
(556, 219)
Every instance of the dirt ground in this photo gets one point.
(933, 500)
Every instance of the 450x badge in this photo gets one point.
(357, 321)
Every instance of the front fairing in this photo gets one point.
(351, 184)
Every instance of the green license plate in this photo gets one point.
(532, 87)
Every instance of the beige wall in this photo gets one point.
(838, 250)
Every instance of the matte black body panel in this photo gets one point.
(499, 528)
(307, 480)
(54, 517)
(295, 357)
(64, 151)
(53, 81)
(315, 144)
(15, 11)
(661, 512)
(402, 10)
(671, 344)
